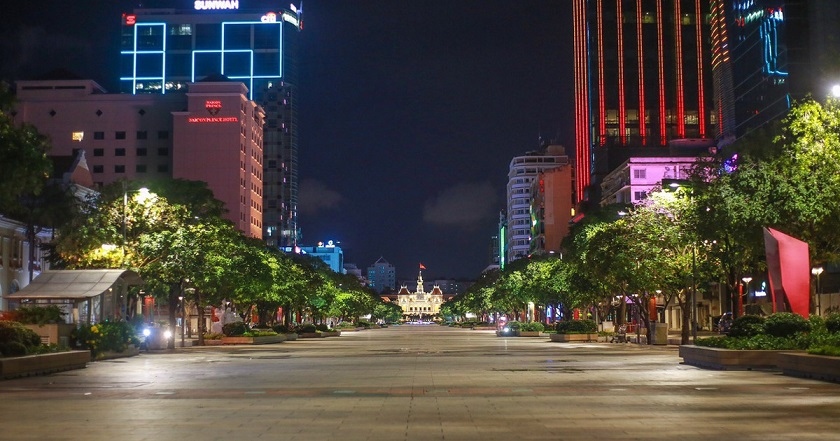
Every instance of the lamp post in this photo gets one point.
(817, 270)
(747, 281)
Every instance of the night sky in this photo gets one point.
(409, 112)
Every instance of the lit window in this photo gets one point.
(78, 136)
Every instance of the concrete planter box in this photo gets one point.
(310, 335)
(279, 338)
(817, 367)
(131, 351)
(529, 334)
(568, 338)
(483, 328)
(331, 333)
(291, 336)
(729, 359)
(209, 342)
(29, 365)
(52, 333)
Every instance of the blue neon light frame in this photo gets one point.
(248, 79)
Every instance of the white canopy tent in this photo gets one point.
(88, 296)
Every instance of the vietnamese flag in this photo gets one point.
(422, 267)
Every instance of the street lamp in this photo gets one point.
(747, 281)
(835, 91)
(817, 270)
(144, 195)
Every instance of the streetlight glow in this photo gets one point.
(835, 91)
(817, 270)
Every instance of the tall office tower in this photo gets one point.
(382, 276)
(522, 173)
(164, 49)
(551, 209)
(642, 78)
(768, 54)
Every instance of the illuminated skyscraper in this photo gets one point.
(642, 78)
(768, 54)
(164, 49)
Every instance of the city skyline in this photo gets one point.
(409, 113)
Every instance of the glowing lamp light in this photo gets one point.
(835, 91)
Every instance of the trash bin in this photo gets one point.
(660, 333)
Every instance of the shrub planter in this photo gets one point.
(291, 336)
(279, 338)
(484, 328)
(804, 365)
(310, 335)
(209, 342)
(566, 338)
(29, 365)
(529, 334)
(729, 359)
(331, 333)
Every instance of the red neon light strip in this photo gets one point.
(659, 18)
(701, 98)
(641, 56)
(582, 122)
(622, 107)
(679, 72)
(602, 104)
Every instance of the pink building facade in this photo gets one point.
(212, 134)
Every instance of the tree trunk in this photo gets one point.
(200, 308)
(174, 290)
(686, 322)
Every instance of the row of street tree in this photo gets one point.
(173, 234)
(690, 235)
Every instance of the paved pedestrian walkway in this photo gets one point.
(416, 383)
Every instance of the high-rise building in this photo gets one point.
(522, 173)
(212, 134)
(382, 276)
(642, 78)
(768, 54)
(552, 208)
(162, 50)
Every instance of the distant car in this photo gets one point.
(725, 323)
(508, 329)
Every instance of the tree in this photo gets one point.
(24, 166)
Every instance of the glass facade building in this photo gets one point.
(163, 50)
(642, 78)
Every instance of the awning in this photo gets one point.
(75, 284)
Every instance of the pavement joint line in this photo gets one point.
(165, 392)
(346, 392)
(705, 388)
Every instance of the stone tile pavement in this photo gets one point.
(416, 383)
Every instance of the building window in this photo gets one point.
(142, 134)
(140, 168)
(119, 152)
(141, 151)
(119, 169)
(163, 134)
(163, 168)
(120, 135)
(98, 169)
(98, 152)
(163, 151)
(639, 173)
(639, 195)
(98, 135)
(77, 136)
